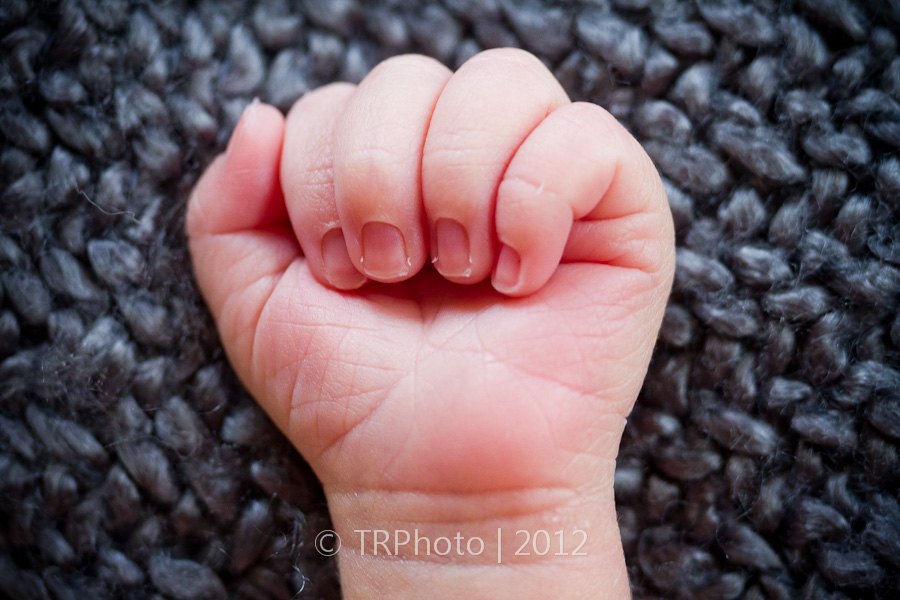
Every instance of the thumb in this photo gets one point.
(238, 231)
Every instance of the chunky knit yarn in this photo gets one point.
(762, 459)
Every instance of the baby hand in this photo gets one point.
(483, 396)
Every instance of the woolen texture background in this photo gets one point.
(762, 458)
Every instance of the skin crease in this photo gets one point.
(459, 402)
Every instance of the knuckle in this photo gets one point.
(503, 57)
(323, 93)
(521, 191)
(404, 67)
(587, 119)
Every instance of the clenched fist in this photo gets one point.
(445, 289)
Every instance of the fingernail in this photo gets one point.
(506, 275)
(383, 251)
(339, 269)
(452, 242)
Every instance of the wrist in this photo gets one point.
(501, 544)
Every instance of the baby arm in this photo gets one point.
(480, 397)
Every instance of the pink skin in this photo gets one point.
(416, 399)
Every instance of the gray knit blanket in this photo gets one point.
(761, 461)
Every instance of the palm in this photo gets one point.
(416, 385)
